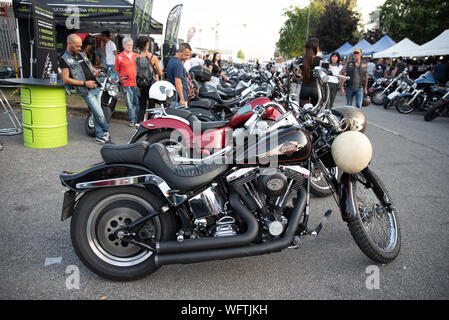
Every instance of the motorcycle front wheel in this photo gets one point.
(378, 97)
(97, 218)
(405, 105)
(375, 226)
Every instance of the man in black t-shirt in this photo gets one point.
(400, 66)
(78, 71)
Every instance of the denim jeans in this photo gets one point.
(358, 94)
(93, 101)
(131, 100)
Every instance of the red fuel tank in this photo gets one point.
(245, 112)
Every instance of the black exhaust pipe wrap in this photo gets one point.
(246, 251)
(216, 243)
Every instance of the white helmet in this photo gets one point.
(162, 90)
(352, 151)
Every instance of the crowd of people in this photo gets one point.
(136, 67)
(139, 69)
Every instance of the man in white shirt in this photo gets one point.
(111, 52)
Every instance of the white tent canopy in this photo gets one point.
(436, 47)
(404, 48)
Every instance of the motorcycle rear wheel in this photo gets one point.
(440, 107)
(375, 226)
(100, 214)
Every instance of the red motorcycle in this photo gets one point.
(178, 129)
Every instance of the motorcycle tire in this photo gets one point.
(404, 106)
(100, 213)
(318, 182)
(377, 97)
(440, 107)
(172, 140)
(375, 226)
(89, 123)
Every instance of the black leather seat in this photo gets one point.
(129, 153)
(207, 104)
(184, 177)
(194, 121)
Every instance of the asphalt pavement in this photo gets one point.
(410, 155)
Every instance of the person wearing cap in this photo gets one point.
(357, 85)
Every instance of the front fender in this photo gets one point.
(345, 198)
(406, 94)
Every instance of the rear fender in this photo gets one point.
(117, 175)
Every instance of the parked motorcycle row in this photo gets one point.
(230, 176)
(407, 95)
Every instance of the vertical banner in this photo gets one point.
(46, 60)
(142, 11)
(171, 33)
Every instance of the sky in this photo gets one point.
(248, 25)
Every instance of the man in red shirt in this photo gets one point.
(125, 66)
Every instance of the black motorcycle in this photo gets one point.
(110, 91)
(142, 208)
(439, 108)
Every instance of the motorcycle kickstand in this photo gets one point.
(308, 232)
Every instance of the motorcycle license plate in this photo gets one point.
(393, 95)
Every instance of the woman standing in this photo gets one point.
(148, 72)
(335, 67)
(215, 67)
(309, 89)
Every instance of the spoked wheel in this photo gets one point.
(99, 216)
(405, 105)
(378, 97)
(375, 226)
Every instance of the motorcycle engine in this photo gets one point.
(268, 194)
(210, 213)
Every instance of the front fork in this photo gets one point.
(346, 193)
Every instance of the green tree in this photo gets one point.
(418, 20)
(240, 54)
(338, 25)
(292, 36)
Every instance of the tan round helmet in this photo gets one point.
(352, 151)
(354, 118)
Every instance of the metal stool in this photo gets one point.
(17, 125)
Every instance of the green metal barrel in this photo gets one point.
(44, 116)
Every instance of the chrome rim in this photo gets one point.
(108, 216)
(379, 221)
(318, 179)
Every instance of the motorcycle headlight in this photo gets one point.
(113, 90)
(379, 81)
